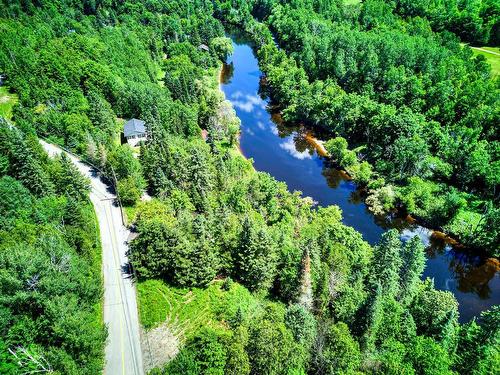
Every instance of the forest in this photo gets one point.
(285, 287)
(410, 113)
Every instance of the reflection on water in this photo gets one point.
(288, 154)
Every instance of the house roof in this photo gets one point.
(134, 127)
(203, 47)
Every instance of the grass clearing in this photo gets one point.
(7, 102)
(188, 310)
(130, 213)
(491, 58)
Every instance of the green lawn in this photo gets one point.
(493, 60)
(188, 310)
(7, 101)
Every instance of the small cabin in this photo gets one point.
(134, 131)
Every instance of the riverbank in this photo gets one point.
(446, 238)
(297, 158)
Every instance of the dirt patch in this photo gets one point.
(159, 345)
(5, 98)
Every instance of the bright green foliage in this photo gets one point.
(178, 249)
(15, 201)
(237, 362)
(302, 324)
(271, 348)
(23, 161)
(432, 308)
(472, 21)
(339, 352)
(428, 357)
(204, 354)
(223, 47)
(128, 191)
(416, 108)
(479, 344)
(68, 180)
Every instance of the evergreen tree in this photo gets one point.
(413, 258)
(69, 181)
(374, 319)
(24, 163)
(478, 344)
(255, 256)
(201, 176)
(387, 263)
(205, 256)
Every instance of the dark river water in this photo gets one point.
(285, 153)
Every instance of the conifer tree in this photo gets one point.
(374, 318)
(387, 263)
(413, 258)
(255, 257)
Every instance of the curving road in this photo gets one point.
(123, 348)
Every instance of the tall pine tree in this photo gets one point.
(387, 263)
(413, 258)
(255, 257)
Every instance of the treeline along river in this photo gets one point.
(285, 153)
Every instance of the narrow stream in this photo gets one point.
(285, 153)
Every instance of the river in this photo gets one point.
(286, 154)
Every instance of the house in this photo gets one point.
(134, 131)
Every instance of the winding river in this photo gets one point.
(288, 154)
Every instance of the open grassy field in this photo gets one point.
(492, 55)
(7, 101)
(187, 310)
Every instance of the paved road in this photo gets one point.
(123, 349)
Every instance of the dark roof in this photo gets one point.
(134, 127)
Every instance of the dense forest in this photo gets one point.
(50, 256)
(289, 289)
(410, 113)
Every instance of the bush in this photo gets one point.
(381, 200)
(129, 191)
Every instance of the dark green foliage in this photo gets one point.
(387, 264)
(256, 256)
(401, 104)
(413, 258)
(50, 283)
(363, 73)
